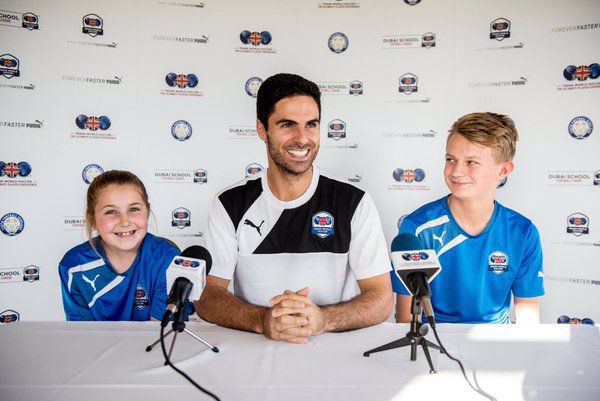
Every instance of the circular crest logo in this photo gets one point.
(498, 262)
(356, 88)
(12, 170)
(92, 25)
(253, 169)
(428, 40)
(181, 80)
(31, 273)
(200, 176)
(338, 42)
(578, 224)
(256, 38)
(337, 130)
(30, 21)
(580, 127)
(582, 73)
(90, 172)
(9, 66)
(9, 316)
(181, 130)
(500, 29)
(408, 84)
(12, 224)
(252, 86)
(141, 297)
(322, 225)
(181, 217)
(409, 175)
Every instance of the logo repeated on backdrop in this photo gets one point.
(354, 88)
(9, 66)
(9, 316)
(408, 179)
(338, 42)
(253, 169)
(13, 174)
(573, 178)
(252, 85)
(242, 132)
(182, 85)
(28, 21)
(22, 124)
(578, 224)
(336, 130)
(115, 80)
(203, 39)
(338, 4)
(412, 2)
(355, 179)
(255, 42)
(410, 134)
(28, 274)
(580, 127)
(575, 28)
(408, 84)
(522, 81)
(500, 29)
(92, 25)
(90, 172)
(580, 77)
(193, 4)
(73, 223)
(93, 127)
(322, 225)
(31, 273)
(498, 262)
(409, 41)
(181, 130)
(12, 224)
(181, 218)
(199, 176)
(141, 297)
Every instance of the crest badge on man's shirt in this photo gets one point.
(322, 225)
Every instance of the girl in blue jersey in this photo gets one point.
(120, 273)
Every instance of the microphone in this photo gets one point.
(186, 278)
(416, 267)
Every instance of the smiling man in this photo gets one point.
(295, 241)
(488, 253)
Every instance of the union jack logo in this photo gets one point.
(182, 81)
(582, 73)
(93, 123)
(255, 38)
(11, 170)
(409, 176)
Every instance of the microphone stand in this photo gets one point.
(178, 327)
(414, 338)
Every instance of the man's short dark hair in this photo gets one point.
(280, 86)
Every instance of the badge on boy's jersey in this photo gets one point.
(141, 297)
(498, 262)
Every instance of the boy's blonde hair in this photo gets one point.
(496, 131)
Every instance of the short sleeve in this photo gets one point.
(367, 254)
(406, 227)
(159, 299)
(529, 282)
(221, 241)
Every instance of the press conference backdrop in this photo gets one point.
(167, 90)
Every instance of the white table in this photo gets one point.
(107, 361)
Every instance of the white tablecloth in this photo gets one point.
(107, 361)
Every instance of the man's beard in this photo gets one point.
(289, 169)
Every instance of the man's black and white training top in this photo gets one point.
(326, 239)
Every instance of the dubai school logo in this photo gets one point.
(181, 217)
(90, 172)
(337, 130)
(12, 224)
(30, 21)
(498, 262)
(186, 263)
(255, 38)
(92, 25)
(9, 316)
(408, 83)
(181, 80)
(580, 127)
(409, 175)
(415, 256)
(92, 123)
(428, 40)
(141, 297)
(181, 130)
(31, 273)
(356, 88)
(500, 29)
(322, 225)
(582, 73)
(12, 170)
(200, 176)
(252, 86)
(253, 169)
(578, 224)
(338, 42)
(9, 66)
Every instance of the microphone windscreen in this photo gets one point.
(199, 252)
(406, 242)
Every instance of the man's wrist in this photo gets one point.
(259, 319)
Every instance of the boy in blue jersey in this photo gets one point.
(488, 253)
(121, 273)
